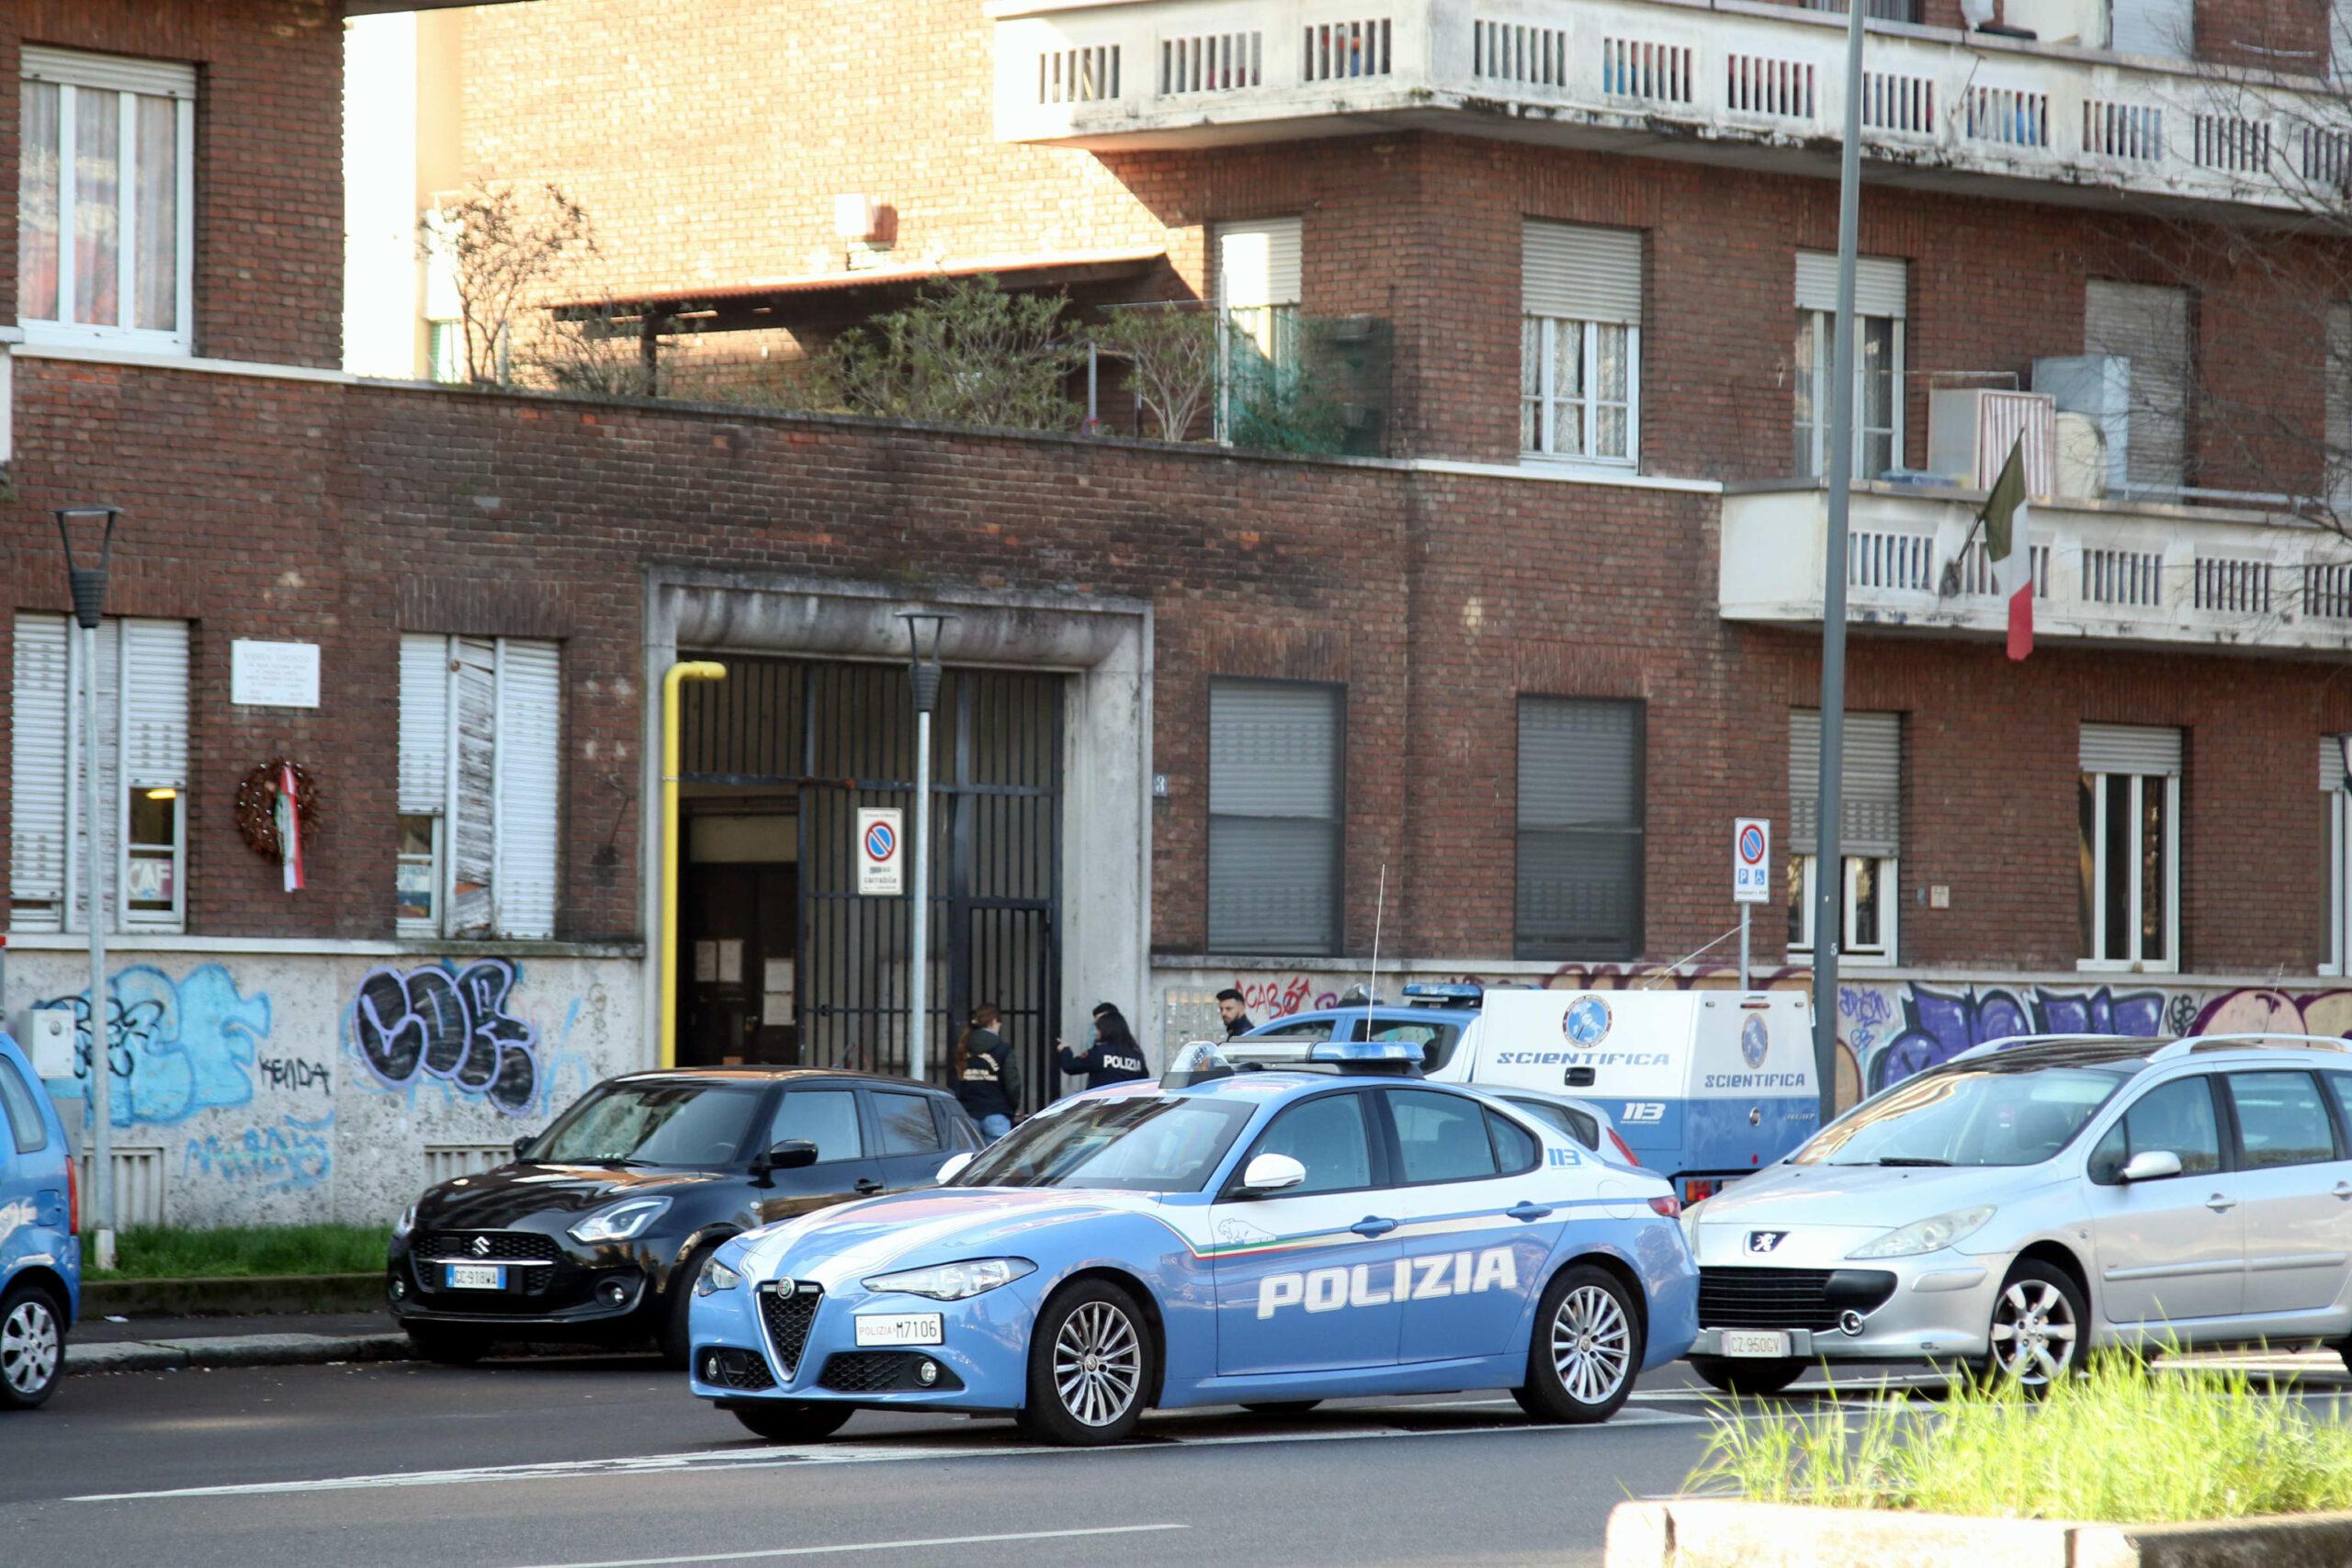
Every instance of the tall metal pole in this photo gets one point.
(1829, 878)
(93, 882)
(919, 913)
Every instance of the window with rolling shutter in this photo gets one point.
(1881, 294)
(1870, 832)
(2337, 436)
(1580, 343)
(1580, 879)
(2335, 813)
(2147, 324)
(1277, 808)
(1258, 289)
(143, 751)
(480, 786)
(2129, 805)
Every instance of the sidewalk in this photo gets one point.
(282, 1339)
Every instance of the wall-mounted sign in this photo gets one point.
(274, 674)
(880, 863)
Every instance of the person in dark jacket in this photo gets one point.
(1115, 1057)
(987, 1080)
(1236, 1013)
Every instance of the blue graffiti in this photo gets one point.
(174, 1047)
(1939, 1025)
(284, 1158)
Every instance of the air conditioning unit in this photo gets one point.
(2098, 385)
(1972, 429)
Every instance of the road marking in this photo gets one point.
(867, 1546)
(706, 1461)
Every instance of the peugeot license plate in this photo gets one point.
(1756, 1343)
(474, 1277)
(898, 1328)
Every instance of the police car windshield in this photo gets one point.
(1134, 1144)
(1974, 1118)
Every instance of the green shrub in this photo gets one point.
(243, 1251)
(2125, 1444)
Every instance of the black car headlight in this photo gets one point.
(625, 1221)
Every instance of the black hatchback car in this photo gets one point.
(598, 1229)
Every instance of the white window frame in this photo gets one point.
(1890, 883)
(70, 74)
(404, 925)
(1547, 399)
(511, 822)
(1270, 324)
(1825, 353)
(2134, 962)
(2332, 749)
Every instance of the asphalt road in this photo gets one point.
(605, 1461)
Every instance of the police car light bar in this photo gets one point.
(1446, 993)
(1401, 1056)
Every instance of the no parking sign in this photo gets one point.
(1751, 860)
(880, 840)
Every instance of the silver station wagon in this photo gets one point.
(2035, 1198)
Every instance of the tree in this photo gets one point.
(1172, 360)
(502, 249)
(968, 353)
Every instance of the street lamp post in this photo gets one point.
(924, 630)
(89, 588)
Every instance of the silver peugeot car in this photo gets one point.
(2035, 1198)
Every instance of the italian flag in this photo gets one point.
(2006, 546)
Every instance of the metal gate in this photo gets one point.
(844, 734)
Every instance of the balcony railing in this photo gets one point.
(2102, 571)
(1684, 76)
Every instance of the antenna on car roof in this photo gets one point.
(1372, 991)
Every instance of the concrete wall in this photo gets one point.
(274, 1085)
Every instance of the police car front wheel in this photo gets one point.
(1092, 1366)
(1586, 1348)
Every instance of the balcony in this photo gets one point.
(2108, 574)
(1732, 81)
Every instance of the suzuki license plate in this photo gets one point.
(474, 1276)
(1756, 1343)
(898, 1328)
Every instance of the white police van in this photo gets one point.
(1704, 1086)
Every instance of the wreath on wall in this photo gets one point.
(257, 805)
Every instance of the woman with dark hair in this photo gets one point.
(988, 1081)
(1115, 1057)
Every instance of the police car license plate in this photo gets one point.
(898, 1328)
(1752, 1342)
(474, 1276)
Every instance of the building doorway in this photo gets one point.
(738, 932)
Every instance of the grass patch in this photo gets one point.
(242, 1251)
(2124, 1444)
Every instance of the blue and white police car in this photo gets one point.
(1265, 1239)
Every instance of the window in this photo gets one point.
(1580, 343)
(445, 328)
(2176, 1118)
(479, 739)
(1869, 831)
(2281, 1119)
(26, 1128)
(1881, 290)
(2163, 30)
(825, 1117)
(1580, 828)
(1441, 1137)
(1584, 1129)
(143, 774)
(1437, 1041)
(1329, 1138)
(906, 1123)
(1258, 272)
(1275, 814)
(2335, 810)
(1515, 1147)
(2129, 803)
(2342, 1083)
(2148, 326)
(105, 199)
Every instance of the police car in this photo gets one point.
(1265, 1239)
(1704, 1085)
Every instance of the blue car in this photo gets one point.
(1264, 1238)
(41, 1255)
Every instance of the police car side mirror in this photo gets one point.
(952, 1167)
(1272, 1173)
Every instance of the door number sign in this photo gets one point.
(881, 834)
(1751, 860)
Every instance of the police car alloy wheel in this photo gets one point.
(1092, 1361)
(1586, 1348)
(782, 1421)
(2037, 1328)
(32, 1348)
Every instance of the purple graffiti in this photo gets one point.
(1939, 1025)
(452, 1025)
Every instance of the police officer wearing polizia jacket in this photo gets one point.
(1115, 1057)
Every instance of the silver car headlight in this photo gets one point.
(954, 1281)
(621, 1222)
(714, 1277)
(1926, 1236)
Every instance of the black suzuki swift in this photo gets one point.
(598, 1229)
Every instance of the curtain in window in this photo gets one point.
(37, 201)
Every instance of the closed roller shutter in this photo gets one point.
(1882, 283)
(38, 732)
(1258, 263)
(473, 780)
(2130, 749)
(2330, 763)
(530, 708)
(2148, 325)
(1584, 274)
(424, 724)
(1869, 782)
(1275, 809)
(1581, 828)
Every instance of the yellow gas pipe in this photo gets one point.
(688, 669)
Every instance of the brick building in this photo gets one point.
(1525, 663)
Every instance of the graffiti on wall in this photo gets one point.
(449, 1024)
(293, 1155)
(174, 1047)
(1279, 996)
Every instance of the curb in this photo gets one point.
(234, 1350)
(252, 1296)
